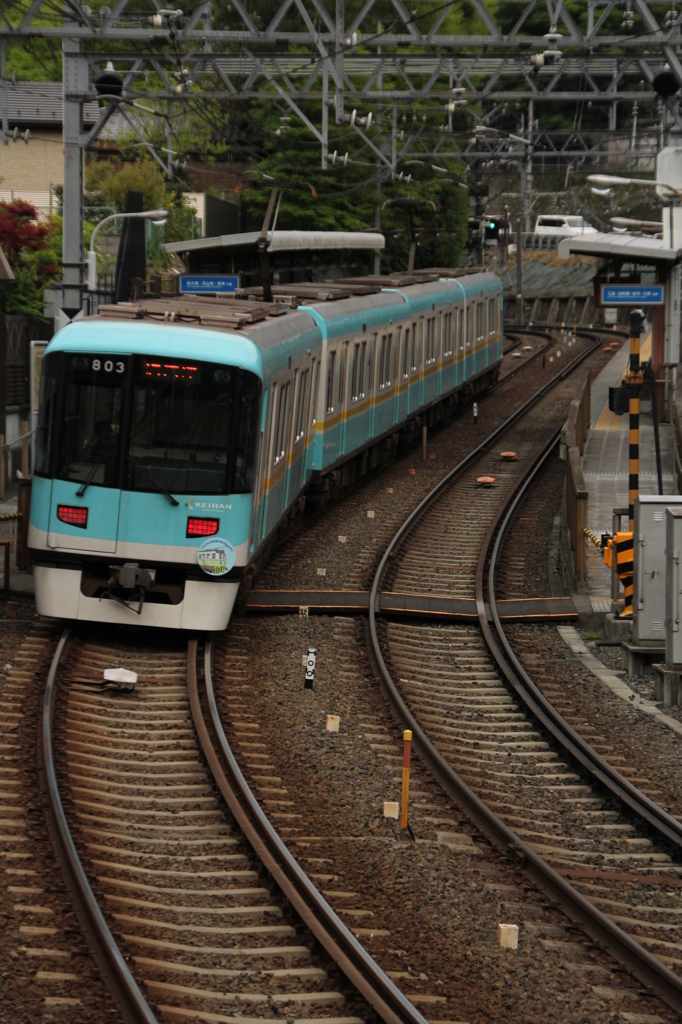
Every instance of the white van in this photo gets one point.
(558, 224)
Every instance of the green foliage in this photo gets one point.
(33, 250)
(110, 181)
(347, 198)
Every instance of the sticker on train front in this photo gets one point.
(216, 556)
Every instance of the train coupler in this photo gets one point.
(128, 585)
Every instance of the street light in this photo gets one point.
(612, 179)
(630, 222)
(156, 216)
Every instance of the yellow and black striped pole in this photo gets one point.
(633, 379)
(625, 554)
(624, 541)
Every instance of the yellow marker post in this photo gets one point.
(407, 745)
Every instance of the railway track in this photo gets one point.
(528, 780)
(191, 904)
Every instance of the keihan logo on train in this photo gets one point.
(209, 505)
(216, 556)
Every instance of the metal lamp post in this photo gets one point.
(157, 216)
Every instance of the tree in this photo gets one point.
(30, 250)
(108, 181)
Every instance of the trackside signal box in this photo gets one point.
(648, 610)
(673, 586)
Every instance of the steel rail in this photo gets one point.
(389, 1003)
(460, 468)
(122, 985)
(668, 827)
(643, 964)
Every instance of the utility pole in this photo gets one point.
(340, 17)
(74, 71)
(380, 119)
(519, 272)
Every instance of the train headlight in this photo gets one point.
(199, 527)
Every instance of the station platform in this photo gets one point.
(605, 464)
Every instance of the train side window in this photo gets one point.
(329, 404)
(316, 388)
(370, 363)
(470, 325)
(361, 369)
(406, 350)
(396, 349)
(385, 361)
(430, 354)
(342, 373)
(460, 320)
(492, 316)
(354, 368)
(479, 321)
(280, 429)
(276, 403)
(447, 335)
(299, 426)
(413, 349)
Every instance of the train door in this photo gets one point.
(331, 426)
(421, 356)
(439, 349)
(447, 374)
(281, 408)
(92, 419)
(371, 381)
(260, 495)
(460, 371)
(403, 375)
(493, 338)
(294, 448)
(312, 441)
(469, 368)
(359, 404)
(414, 370)
(384, 411)
(341, 396)
(397, 357)
(480, 336)
(430, 375)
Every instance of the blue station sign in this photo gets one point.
(632, 294)
(208, 284)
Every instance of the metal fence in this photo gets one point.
(9, 529)
(577, 495)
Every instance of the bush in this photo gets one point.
(33, 251)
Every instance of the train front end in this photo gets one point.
(145, 457)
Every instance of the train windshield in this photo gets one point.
(148, 423)
(188, 420)
(89, 444)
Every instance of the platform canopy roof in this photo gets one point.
(609, 244)
(285, 241)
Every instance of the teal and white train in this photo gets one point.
(173, 446)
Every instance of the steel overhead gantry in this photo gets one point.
(169, 58)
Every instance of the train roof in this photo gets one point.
(247, 308)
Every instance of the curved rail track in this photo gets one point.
(168, 881)
(529, 780)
